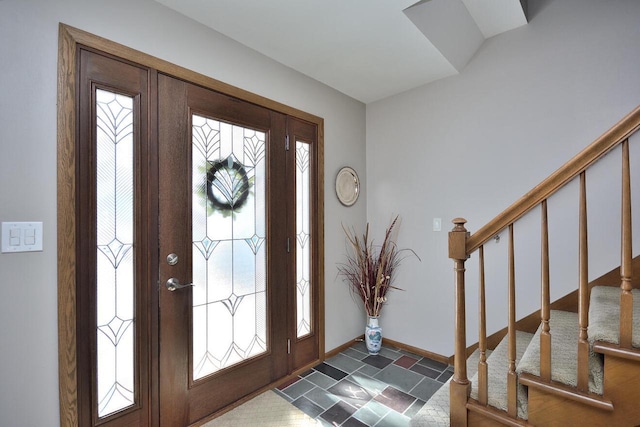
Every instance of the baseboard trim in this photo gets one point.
(411, 349)
(419, 351)
(342, 347)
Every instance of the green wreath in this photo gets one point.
(235, 194)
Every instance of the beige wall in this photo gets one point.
(529, 100)
(28, 67)
(472, 144)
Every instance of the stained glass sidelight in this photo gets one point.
(229, 245)
(303, 253)
(115, 261)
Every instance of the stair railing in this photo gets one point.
(462, 244)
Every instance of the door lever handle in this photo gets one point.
(173, 284)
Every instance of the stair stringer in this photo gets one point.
(621, 379)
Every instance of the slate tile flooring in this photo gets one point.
(354, 389)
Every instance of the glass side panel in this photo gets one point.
(115, 260)
(303, 252)
(229, 245)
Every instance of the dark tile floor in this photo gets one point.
(355, 389)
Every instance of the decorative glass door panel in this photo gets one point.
(112, 249)
(229, 250)
(306, 296)
(303, 243)
(115, 261)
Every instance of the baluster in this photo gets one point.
(512, 379)
(626, 298)
(460, 388)
(545, 336)
(482, 363)
(583, 291)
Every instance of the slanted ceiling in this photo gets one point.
(367, 49)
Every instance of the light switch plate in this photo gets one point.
(21, 237)
(437, 224)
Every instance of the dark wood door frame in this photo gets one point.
(69, 42)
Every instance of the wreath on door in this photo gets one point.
(227, 185)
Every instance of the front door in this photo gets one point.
(190, 268)
(223, 250)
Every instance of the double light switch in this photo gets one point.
(21, 236)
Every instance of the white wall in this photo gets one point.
(472, 144)
(28, 68)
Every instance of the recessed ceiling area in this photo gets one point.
(367, 49)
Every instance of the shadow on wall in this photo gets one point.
(533, 7)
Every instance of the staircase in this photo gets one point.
(536, 399)
(579, 365)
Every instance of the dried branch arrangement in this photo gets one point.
(369, 270)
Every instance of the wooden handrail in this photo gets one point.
(622, 130)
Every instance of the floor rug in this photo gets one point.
(265, 410)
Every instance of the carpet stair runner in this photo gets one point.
(604, 315)
(498, 367)
(604, 320)
(564, 330)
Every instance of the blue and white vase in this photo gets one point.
(373, 335)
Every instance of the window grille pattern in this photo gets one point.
(303, 252)
(229, 245)
(115, 260)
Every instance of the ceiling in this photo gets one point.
(367, 49)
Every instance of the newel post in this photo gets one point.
(460, 387)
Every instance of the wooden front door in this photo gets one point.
(223, 252)
(190, 239)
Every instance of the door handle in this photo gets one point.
(173, 284)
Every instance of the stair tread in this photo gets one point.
(604, 315)
(498, 363)
(564, 353)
